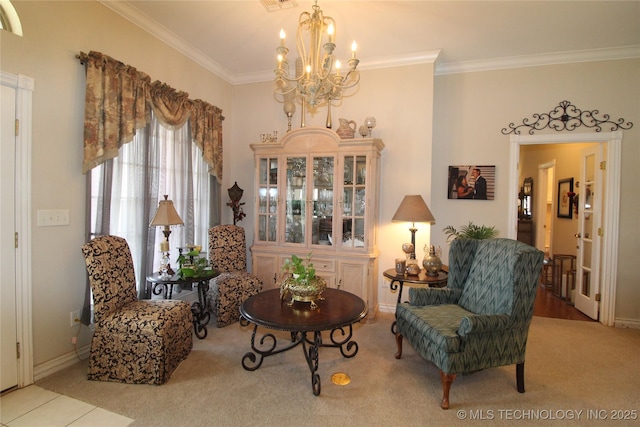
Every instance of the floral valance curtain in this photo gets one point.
(119, 100)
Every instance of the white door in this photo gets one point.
(590, 199)
(8, 319)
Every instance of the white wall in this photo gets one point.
(54, 32)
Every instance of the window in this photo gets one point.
(125, 192)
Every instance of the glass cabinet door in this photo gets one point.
(296, 197)
(354, 201)
(322, 197)
(268, 200)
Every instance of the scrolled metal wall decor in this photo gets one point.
(567, 116)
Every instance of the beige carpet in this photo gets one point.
(573, 372)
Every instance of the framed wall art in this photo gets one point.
(475, 182)
(565, 192)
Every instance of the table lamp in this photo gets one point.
(166, 216)
(413, 209)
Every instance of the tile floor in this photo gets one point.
(34, 406)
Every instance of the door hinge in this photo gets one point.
(15, 240)
(600, 232)
(598, 297)
(603, 165)
(17, 127)
(18, 350)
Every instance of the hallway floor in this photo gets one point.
(549, 305)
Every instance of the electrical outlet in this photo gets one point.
(75, 317)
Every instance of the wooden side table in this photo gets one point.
(422, 280)
(562, 264)
(336, 312)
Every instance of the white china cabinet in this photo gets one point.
(318, 194)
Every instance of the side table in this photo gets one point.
(199, 309)
(420, 280)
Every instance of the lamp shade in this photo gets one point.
(166, 214)
(413, 209)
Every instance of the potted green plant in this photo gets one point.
(471, 231)
(300, 281)
(192, 265)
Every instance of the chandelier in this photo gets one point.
(318, 76)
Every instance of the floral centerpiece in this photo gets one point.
(300, 281)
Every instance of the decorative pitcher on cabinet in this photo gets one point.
(347, 129)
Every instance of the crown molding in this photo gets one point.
(170, 38)
(414, 58)
(569, 57)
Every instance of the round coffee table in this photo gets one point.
(336, 312)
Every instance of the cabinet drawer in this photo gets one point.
(324, 264)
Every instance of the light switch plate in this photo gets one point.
(53, 217)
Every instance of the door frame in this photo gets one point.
(611, 209)
(24, 86)
(541, 205)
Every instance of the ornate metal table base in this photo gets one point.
(199, 309)
(336, 314)
(268, 344)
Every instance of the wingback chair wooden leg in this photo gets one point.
(520, 377)
(399, 344)
(447, 379)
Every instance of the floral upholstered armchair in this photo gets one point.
(481, 319)
(140, 342)
(234, 285)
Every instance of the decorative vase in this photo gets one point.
(431, 262)
(412, 269)
(303, 292)
(347, 129)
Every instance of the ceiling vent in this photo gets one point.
(276, 5)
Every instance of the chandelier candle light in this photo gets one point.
(318, 75)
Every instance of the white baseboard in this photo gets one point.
(387, 308)
(61, 362)
(627, 323)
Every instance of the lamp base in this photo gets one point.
(413, 242)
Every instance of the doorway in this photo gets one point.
(611, 204)
(544, 207)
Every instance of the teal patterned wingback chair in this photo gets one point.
(135, 341)
(481, 319)
(234, 285)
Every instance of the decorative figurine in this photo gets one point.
(235, 194)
